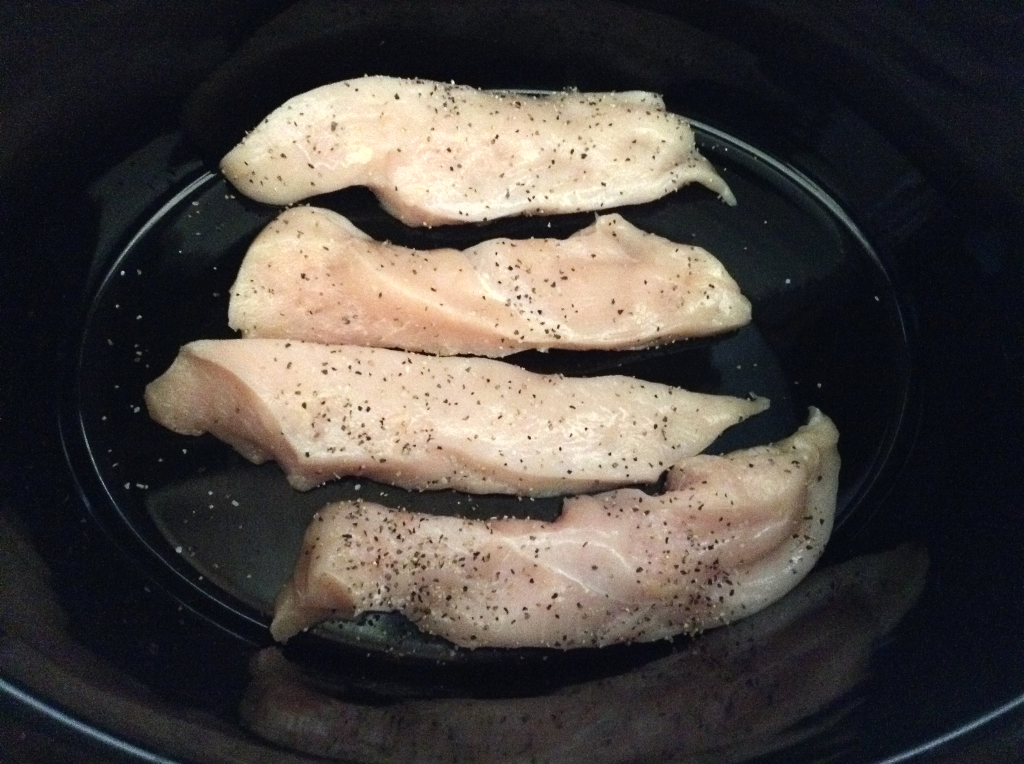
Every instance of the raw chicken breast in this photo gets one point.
(730, 535)
(730, 696)
(312, 275)
(425, 422)
(437, 153)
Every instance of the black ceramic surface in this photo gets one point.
(107, 627)
(828, 332)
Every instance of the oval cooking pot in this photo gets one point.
(875, 153)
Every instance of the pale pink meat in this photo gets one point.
(731, 695)
(428, 422)
(437, 153)
(312, 275)
(730, 535)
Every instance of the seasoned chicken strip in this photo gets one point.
(312, 275)
(425, 422)
(729, 696)
(437, 153)
(730, 535)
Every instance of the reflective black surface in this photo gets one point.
(828, 332)
(905, 125)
